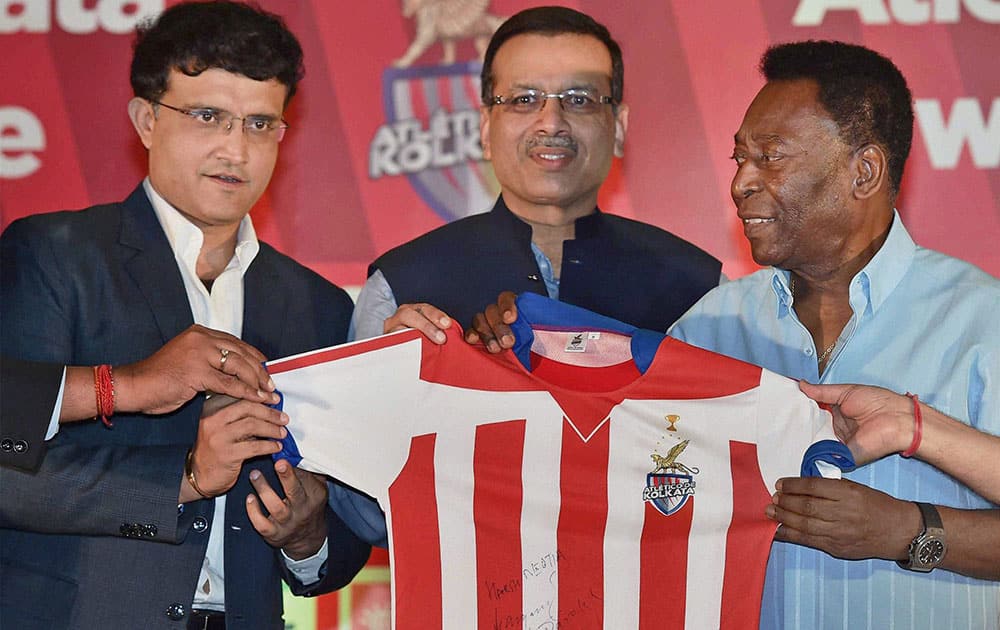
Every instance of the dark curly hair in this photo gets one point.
(553, 21)
(863, 91)
(192, 37)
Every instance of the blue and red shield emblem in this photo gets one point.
(431, 135)
(668, 492)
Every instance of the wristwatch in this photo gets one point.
(928, 548)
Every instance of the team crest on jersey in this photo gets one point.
(671, 483)
(431, 130)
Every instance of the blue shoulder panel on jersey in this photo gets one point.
(645, 343)
(829, 451)
(289, 449)
(544, 312)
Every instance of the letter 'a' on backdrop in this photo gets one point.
(383, 144)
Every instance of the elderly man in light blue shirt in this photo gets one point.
(851, 298)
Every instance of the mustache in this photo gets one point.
(553, 142)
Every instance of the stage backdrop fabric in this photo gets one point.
(383, 144)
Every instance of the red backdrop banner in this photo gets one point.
(378, 154)
(384, 138)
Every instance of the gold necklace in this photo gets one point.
(826, 353)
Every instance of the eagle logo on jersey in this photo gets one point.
(671, 483)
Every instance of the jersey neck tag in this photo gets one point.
(576, 342)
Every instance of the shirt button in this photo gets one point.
(176, 611)
(808, 352)
(200, 524)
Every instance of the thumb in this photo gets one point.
(829, 394)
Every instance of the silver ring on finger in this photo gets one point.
(225, 357)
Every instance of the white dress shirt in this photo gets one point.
(221, 309)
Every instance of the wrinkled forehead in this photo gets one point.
(787, 109)
(552, 62)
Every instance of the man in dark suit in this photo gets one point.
(552, 118)
(174, 521)
(35, 398)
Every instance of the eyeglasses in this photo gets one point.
(212, 121)
(573, 101)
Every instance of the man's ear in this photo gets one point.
(870, 170)
(484, 131)
(621, 125)
(140, 112)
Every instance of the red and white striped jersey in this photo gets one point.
(566, 496)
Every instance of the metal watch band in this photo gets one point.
(931, 534)
(932, 520)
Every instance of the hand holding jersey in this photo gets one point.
(582, 482)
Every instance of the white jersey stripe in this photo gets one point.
(458, 538)
(622, 550)
(539, 549)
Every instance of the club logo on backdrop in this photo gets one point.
(670, 484)
(431, 130)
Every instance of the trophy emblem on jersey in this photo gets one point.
(672, 419)
(671, 483)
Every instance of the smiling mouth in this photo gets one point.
(757, 221)
(552, 149)
(229, 179)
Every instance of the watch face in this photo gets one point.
(930, 552)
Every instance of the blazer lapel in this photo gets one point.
(153, 266)
(265, 303)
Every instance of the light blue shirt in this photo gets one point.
(923, 322)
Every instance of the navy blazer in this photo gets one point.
(28, 393)
(626, 270)
(95, 538)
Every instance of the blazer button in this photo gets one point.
(176, 611)
(127, 530)
(199, 524)
(20, 446)
(149, 530)
(6, 445)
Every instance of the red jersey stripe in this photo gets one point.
(417, 574)
(582, 520)
(747, 542)
(663, 568)
(497, 513)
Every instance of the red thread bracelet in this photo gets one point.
(104, 390)
(918, 427)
